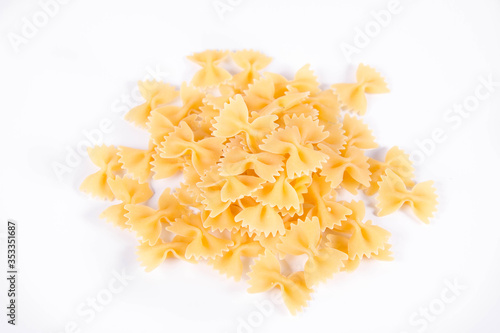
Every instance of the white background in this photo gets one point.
(74, 71)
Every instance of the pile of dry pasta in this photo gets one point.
(262, 159)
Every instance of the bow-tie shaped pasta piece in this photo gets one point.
(204, 153)
(328, 105)
(287, 104)
(260, 93)
(357, 133)
(155, 93)
(397, 161)
(232, 188)
(284, 192)
(336, 139)
(164, 118)
(210, 187)
(230, 262)
(128, 191)
(234, 119)
(266, 274)
(319, 200)
(297, 140)
(237, 160)
(260, 219)
(152, 256)
(165, 167)
(351, 161)
(201, 243)
(210, 74)
(137, 162)
(352, 95)
(365, 239)
(224, 221)
(251, 62)
(393, 193)
(147, 222)
(303, 81)
(107, 159)
(304, 238)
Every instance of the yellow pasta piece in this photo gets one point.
(251, 62)
(393, 193)
(230, 262)
(303, 158)
(260, 218)
(155, 93)
(351, 161)
(365, 239)
(201, 244)
(182, 142)
(137, 162)
(234, 119)
(128, 191)
(260, 160)
(266, 274)
(265, 165)
(304, 238)
(357, 133)
(352, 95)
(148, 222)
(107, 159)
(210, 74)
(152, 256)
(397, 161)
(321, 203)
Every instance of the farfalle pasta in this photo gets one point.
(264, 160)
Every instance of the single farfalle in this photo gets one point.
(350, 161)
(128, 191)
(155, 93)
(201, 243)
(320, 202)
(304, 238)
(234, 119)
(137, 162)
(397, 161)
(226, 220)
(148, 222)
(328, 105)
(238, 160)
(165, 118)
(266, 274)
(210, 187)
(297, 141)
(357, 133)
(365, 239)
(303, 81)
(230, 263)
(284, 192)
(251, 62)
(393, 194)
(260, 218)
(211, 73)
(352, 95)
(181, 142)
(152, 256)
(108, 161)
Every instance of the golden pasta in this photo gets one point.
(263, 159)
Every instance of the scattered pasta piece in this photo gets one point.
(264, 160)
(393, 193)
(352, 95)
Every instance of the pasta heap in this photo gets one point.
(262, 159)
